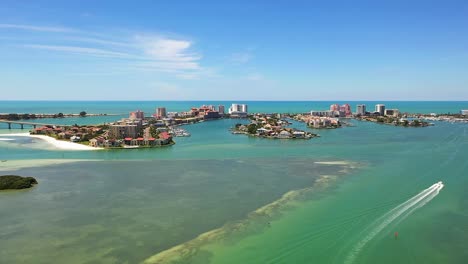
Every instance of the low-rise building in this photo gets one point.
(323, 122)
(75, 139)
(392, 112)
(284, 134)
(328, 113)
(299, 134)
(211, 115)
(172, 114)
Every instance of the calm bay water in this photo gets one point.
(135, 205)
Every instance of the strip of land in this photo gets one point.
(58, 144)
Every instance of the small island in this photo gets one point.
(270, 126)
(15, 182)
(27, 116)
(317, 121)
(395, 121)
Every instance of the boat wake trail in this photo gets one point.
(398, 213)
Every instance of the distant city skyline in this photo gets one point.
(234, 51)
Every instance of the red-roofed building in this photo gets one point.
(164, 135)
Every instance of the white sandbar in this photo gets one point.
(58, 144)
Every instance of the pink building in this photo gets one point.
(335, 107)
(137, 115)
(160, 112)
(346, 109)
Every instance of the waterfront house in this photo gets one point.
(299, 134)
(284, 134)
(93, 142)
(40, 130)
(262, 131)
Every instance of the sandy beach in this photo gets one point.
(57, 144)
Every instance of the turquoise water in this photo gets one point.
(124, 107)
(129, 206)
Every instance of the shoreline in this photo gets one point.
(57, 144)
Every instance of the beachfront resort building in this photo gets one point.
(340, 110)
(125, 128)
(221, 109)
(160, 112)
(205, 112)
(122, 131)
(238, 110)
(137, 115)
(361, 109)
(335, 107)
(380, 108)
(345, 110)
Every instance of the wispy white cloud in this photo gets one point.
(158, 53)
(35, 28)
(103, 42)
(170, 55)
(167, 49)
(80, 50)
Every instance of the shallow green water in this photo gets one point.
(327, 229)
(102, 212)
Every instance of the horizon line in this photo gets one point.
(222, 100)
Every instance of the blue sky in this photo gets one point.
(234, 50)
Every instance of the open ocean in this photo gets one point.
(215, 197)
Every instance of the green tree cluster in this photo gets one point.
(154, 132)
(252, 128)
(16, 182)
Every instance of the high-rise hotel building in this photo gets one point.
(380, 108)
(361, 109)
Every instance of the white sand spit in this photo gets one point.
(333, 162)
(58, 144)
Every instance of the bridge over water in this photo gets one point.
(23, 123)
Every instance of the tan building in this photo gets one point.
(392, 112)
(122, 131)
(137, 115)
(161, 112)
